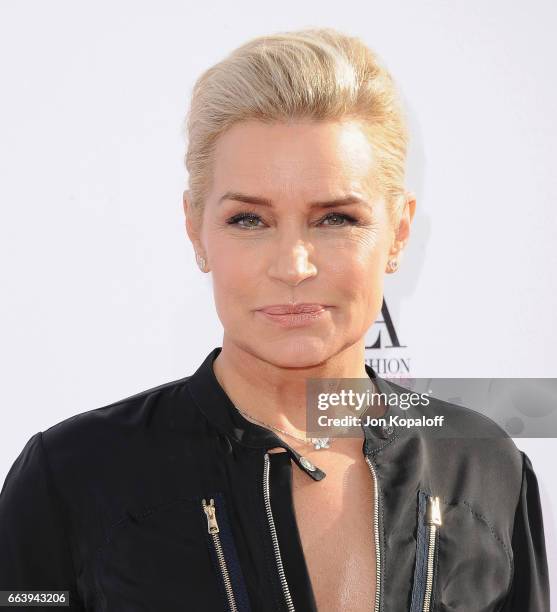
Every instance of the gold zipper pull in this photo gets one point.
(434, 511)
(210, 510)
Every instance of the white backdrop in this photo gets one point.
(101, 297)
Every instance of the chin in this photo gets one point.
(296, 352)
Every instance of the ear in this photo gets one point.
(402, 231)
(193, 224)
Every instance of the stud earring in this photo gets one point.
(392, 265)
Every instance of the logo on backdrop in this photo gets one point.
(386, 354)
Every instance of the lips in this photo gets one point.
(282, 309)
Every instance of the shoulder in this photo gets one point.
(119, 416)
(110, 438)
(469, 442)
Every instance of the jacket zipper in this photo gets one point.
(278, 558)
(376, 537)
(433, 521)
(213, 528)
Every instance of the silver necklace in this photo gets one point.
(318, 443)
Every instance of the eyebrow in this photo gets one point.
(257, 200)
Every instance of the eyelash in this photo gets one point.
(249, 215)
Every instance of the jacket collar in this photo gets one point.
(219, 410)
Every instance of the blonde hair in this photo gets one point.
(316, 74)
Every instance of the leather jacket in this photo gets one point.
(168, 501)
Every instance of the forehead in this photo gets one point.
(309, 158)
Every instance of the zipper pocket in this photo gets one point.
(271, 521)
(429, 522)
(222, 546)
(377, 603)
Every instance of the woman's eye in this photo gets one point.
(342, 217)
(243, 217)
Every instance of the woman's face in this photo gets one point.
(294, 216)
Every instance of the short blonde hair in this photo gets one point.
(316, 74)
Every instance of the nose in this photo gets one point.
(291, 263)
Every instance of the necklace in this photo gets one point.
(318, 443)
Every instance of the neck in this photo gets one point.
(274, 394)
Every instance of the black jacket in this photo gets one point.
(109, 504)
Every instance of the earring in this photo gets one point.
(200, 262)
(392, 265)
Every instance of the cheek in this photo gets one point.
(235, 276)
(356, 265)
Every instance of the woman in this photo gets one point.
(204, 493)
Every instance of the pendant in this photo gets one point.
(320, 443)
